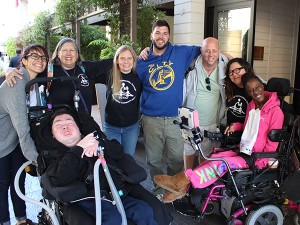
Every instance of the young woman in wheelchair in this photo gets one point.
(262, 115)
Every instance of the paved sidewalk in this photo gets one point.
(33, 189)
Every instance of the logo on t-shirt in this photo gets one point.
(161, 77)
(84, 80)
(238, 105)
(126, 94)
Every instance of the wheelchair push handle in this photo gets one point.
(50, 79)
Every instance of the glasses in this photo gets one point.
(35, 56)
(207, 81)
(236, 70)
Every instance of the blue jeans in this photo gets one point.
(109, 213)
(9, 166)
(126, 136)
(138, 211)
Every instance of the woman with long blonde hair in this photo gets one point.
(123, 94)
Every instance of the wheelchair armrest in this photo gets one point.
(277, 135)
(71, 192)
(259, 155)
(213, 136)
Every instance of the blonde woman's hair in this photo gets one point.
(115, 75)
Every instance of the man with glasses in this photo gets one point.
(205, 92)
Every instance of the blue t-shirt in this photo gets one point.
(162, 78)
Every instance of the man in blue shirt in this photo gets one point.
(162, 77)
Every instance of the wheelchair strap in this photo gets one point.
(248, 158)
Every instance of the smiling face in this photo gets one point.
(160, 37)
(210, 52)
(68, 55)
(236, 71)
(65, 130)
(255, 90)
(125, 61)
(35, 62)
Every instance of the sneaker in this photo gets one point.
(28, 222)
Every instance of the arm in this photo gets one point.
(229, 57)
(144, 54)
(98, 70)
(276, 122)
(67, 169)
(16, 105)
(11, 74)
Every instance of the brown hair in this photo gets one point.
(161, 23)
(229, 85)
(35, 47)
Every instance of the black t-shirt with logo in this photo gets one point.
(237, 106)
(90, 72)
(122, 109)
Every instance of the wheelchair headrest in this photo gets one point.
(279, 85)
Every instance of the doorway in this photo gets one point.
(232, 25)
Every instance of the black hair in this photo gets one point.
(63, 111)
(248, 77)
(229, 85)
(161, 23)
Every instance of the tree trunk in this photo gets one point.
(124, 17)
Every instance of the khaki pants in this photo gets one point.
(161, 133)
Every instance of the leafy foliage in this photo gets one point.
(11, 47)
(146, 16)
(37, 33)
(111, 49)
(70, 10)
(88, 34)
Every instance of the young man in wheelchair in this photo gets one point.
(77, 163)
(263, 115)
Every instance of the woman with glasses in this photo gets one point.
(66, 61)
(15, 139)
(236, 98)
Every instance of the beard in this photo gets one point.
(159, 47)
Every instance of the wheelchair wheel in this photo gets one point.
(268, 214)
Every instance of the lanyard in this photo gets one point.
(80, 95)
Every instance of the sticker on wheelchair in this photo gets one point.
(188, 117)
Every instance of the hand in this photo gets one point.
(11, 75)
(229, 57)
(229, 130)
(144, 53)
(89, 145)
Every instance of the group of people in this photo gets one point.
(219, 87)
